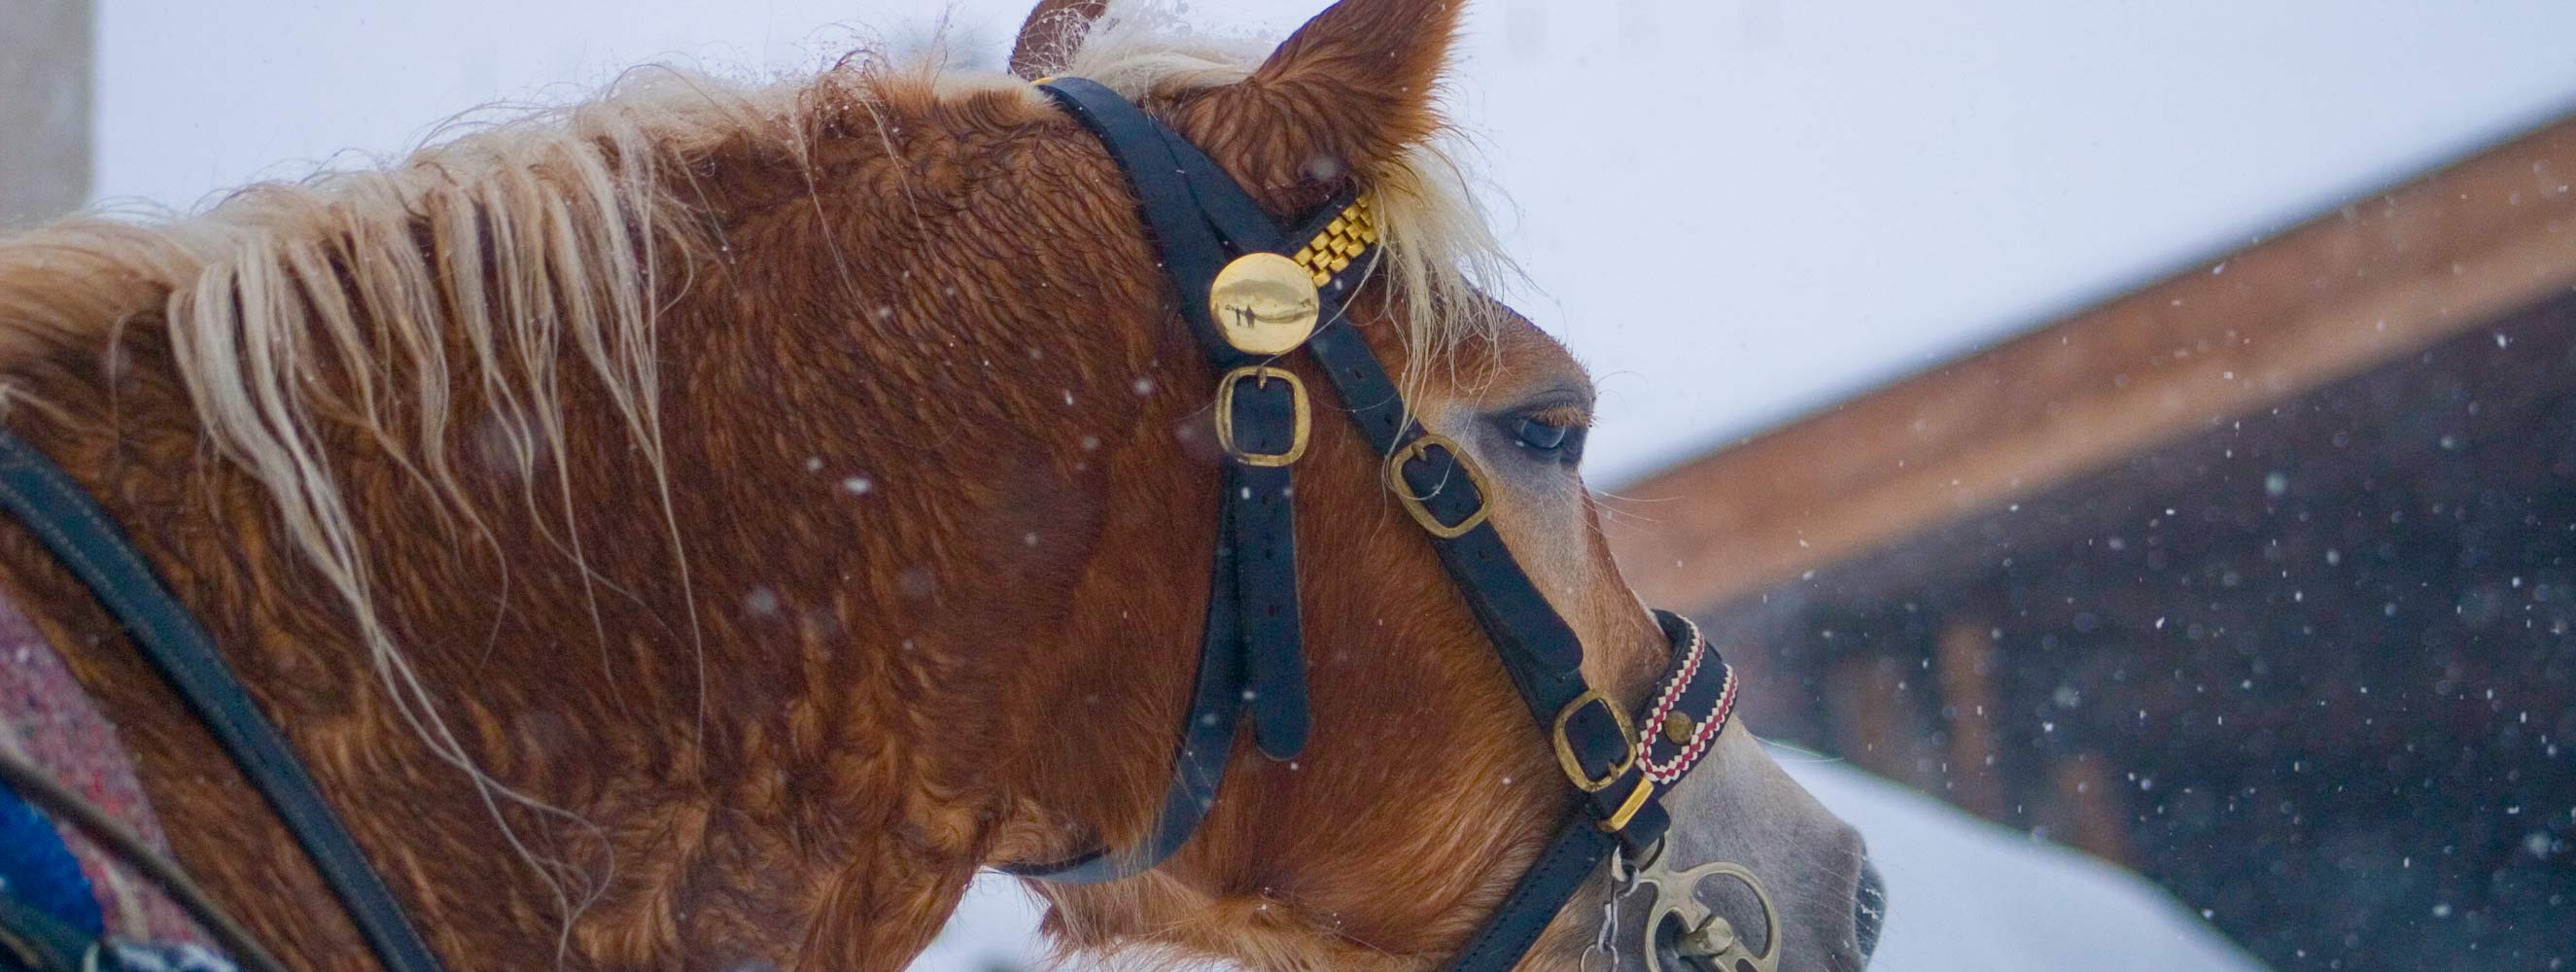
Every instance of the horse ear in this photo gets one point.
(1051, 34)
(1345, 96)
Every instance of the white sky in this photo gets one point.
(1734, 210)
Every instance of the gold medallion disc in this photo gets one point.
(1264, 303)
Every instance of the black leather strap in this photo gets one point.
(1195, 215)
(1199, 221)
(1261, 518)
(1207, 744)
(80, 536)
(1695, 681)
(1538, 649)
(1252, 655)
(1570, 859)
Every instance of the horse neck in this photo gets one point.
(763, 683)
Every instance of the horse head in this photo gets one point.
(1346, 858)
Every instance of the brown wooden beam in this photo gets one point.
(2378, 279)
(1879, 721)
(1964, 658)
(2090, 809)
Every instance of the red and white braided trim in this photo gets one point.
(1701, 735)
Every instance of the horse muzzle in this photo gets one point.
(1754, 876)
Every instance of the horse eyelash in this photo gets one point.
(1569, 416)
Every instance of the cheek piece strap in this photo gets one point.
(1252, 659)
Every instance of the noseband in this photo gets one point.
(1253, 292)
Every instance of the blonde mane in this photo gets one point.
(491, 265)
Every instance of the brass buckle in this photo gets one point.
(1299, 427)
(1573, 766)
(1414, 504)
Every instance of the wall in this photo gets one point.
(46, 51)
(2308, 669)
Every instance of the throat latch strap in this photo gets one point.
(1201, 221)
(1252, 657)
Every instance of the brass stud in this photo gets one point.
(1678, 728)
(1264, 303)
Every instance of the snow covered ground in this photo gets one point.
(1963, 896)
(1968, 896)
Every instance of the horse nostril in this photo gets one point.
(1869, 909)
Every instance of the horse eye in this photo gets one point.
(1543, 436)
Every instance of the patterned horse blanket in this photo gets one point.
(47, 720)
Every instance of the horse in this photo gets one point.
(703, 527)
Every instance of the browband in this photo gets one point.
(1203, 225)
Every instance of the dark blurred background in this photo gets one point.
(2257, 580)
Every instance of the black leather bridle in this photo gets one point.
(1252, 657)
(1204, 227)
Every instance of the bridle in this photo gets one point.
(1252, 293)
